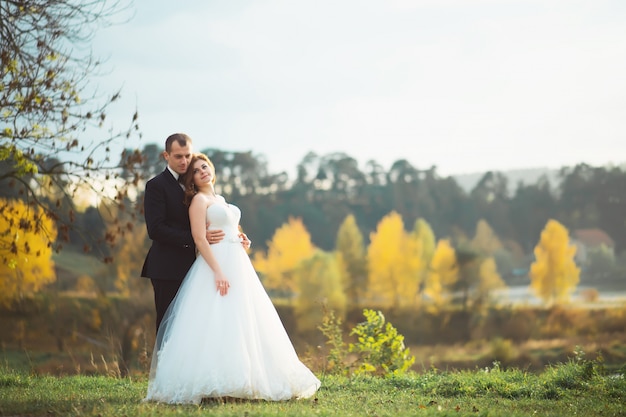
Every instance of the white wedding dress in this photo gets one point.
(235, 345)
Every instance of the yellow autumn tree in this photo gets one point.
(554, 274)
(352, 260)
(490, 279)
(393, 263)
(25, 250)
(425, 242)
(319, 280)
(290, 245)
(485, 240)
(443, 272)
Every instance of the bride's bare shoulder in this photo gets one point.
(208, 200)
(200, 200)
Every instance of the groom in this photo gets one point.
(167, 219)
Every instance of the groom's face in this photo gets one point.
(179, 157)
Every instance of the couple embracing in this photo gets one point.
(218, 333)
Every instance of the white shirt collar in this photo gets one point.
(174, 173)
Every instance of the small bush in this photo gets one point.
(502, 350)
(336, 358)
(381, 349)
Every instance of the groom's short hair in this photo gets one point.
(181, 138)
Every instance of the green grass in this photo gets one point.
(578, 387)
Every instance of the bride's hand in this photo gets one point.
(245, 242)
(222, 284)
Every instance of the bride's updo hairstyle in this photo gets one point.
(187, 178)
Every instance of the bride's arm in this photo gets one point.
(197, 219)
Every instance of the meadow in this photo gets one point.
(577, 387)
(61, 357)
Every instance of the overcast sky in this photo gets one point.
(466, 85)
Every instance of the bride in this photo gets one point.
(222, 336)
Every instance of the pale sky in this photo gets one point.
(466, 85)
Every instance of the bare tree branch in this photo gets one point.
(53, 139)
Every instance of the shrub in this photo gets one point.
(336, 359)
(381, 349)
(502, 350)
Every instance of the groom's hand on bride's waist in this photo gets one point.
(215, 236)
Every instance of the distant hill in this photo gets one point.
(527, 176)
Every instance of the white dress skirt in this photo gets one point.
(211, 346)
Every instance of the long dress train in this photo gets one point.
(225, 346)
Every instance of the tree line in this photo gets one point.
(329, 187)
(75, 191)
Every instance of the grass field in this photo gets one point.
(56, 361)
(577, 387)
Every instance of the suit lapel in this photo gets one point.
(173, 181)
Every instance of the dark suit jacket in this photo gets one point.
(173, 251)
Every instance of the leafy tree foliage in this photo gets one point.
(611, 202)
(341, 173)
(452, 210)
(241, 173)
(488, 246)
(579, 191)
(490, 279)
(443, 272)
(351, 251)
(468, 263)
(531, 207)
(554, 274)
(596, 197)
(491, 200)
(319, 284)
(27, 265)
(53, 143)
(290, 246)
(405, 186)
(485, 240)
(599, 265)
(426, 242)
(393, 263)
(380, 347)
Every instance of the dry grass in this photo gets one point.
(533, 355)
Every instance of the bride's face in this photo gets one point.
(202, 173)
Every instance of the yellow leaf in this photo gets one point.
(26, 262)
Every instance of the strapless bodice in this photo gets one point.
(224, 216)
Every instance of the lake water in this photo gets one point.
(523, 295)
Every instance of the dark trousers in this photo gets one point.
(164, 292)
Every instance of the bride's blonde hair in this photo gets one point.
(187, 178)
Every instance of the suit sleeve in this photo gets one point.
(155, 212)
